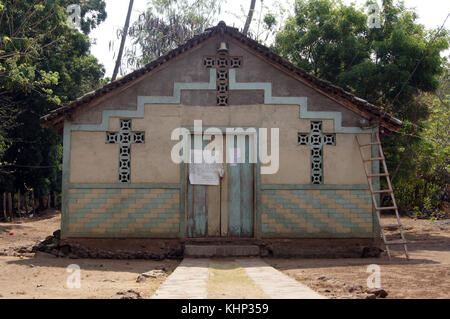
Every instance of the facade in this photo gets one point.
(120, 181)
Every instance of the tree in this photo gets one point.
(43, 64)
(392, 66)
(249, 16)
(167, 24)
(428, 187)
(268, 19)
(122, 43)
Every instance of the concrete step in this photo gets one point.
(198, 251)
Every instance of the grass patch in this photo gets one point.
(228, 280)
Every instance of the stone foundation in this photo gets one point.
(158, 249)
(320, 248)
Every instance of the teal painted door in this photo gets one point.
(241, 192)
(197, 211)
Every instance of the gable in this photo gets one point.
(180, 77)
(189, 69)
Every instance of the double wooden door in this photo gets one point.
(226, 210)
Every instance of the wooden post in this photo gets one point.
(18, 203)
(32, 202)
(26, 202)
(10, 206)
(4, 207)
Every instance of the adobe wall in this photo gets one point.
(95, 161)
(152, 205)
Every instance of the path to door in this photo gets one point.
(241, 278)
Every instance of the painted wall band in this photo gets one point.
(211, 85)
(313, 187)
(128, 186)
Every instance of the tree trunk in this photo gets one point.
(18, 203)
(4, 207)
(10, 206)
(122, 43)
(25, 202)
(49, 198)
(249, 17)
(32, 202)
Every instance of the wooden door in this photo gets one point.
(204, 209)
(241, 193)
(226, 210)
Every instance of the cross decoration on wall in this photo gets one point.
(125, 137)
(222, 62)
(316, 140)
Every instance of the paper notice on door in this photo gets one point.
(205, 174)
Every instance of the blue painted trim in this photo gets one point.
(302, 101)
(125, 186)
(65, 180)
(142, 100)
(314, 187)
(258, 208)
(183, 211)
(211, 85)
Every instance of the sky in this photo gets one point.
(431, 13)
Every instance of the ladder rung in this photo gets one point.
(383, 191)
(374, 159)
(386, 208)
(378, 175)
(387, 226)
(370, 144)
(395, 242)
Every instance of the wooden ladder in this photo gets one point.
(370, 176)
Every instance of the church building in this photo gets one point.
(292, 168)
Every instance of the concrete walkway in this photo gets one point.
(274, 283)
(190, 281)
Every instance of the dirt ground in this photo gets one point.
(28, 231)
(44, 277)
(425, 275)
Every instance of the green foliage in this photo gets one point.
(430, 161)
(43, 63)
(396, 67)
